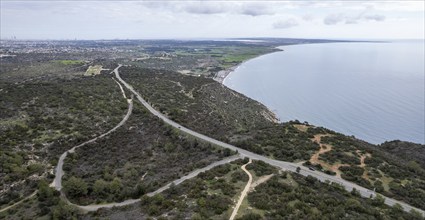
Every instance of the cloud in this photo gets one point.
(212, 7)
(375, 17)
(333, 19)
(204, 8)
(308, 17)
(285, 24)
(256, 10)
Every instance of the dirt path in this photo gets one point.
(323, 149)
(57, 182)
(19, 202)
(244, 153)
(260, 180)
(363, 157)
(362, 163)
(160, 190)
(244, 192)
(122, 89)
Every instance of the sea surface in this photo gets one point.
(374, 91)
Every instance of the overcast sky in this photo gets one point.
(212, 19)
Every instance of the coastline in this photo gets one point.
(222, 74)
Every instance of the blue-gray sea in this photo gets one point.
(374, 91)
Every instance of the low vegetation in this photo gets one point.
(285, 195)
(399, 177)
(291, 196)
(47, 107)
(39, 121)
(140, 157)
(212, 109)
(206, 106)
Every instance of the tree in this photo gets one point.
(397, 208)
(75, 187)
(250, 216)
(47, 197)
(115, 186)
(355, 192)
(378, 200)
(44, 191)
(139, 191)
(414, 166)
(64, 211)
(378, 186)
(100, 187)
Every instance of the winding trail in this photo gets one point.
(122, 89)
(57, 182)
(19, 202)
(281, 164)
(324, 148)
(363, 164)
(175, 182)
(244, 192)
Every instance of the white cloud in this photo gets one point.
(333, 19)
(375, 17)
(205, 8)
(291, 22)
(214, 7)
(256, 10)
(308, 17)
(191, 19)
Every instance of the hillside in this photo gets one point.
(206, 110)
(406, 150)
(50, 105)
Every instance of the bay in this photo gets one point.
(374, 91)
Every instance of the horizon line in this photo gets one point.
(201, 39)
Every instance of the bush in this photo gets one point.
(75, 187)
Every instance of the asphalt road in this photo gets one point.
(281, 164)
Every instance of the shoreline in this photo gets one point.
(223, 74)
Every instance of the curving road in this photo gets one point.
(57, 182)
(175, 182)
(281, 164)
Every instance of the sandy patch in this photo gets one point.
(323, 149)
(301, 127)
(94, 70)
(362, 163)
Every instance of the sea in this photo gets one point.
(372, 90)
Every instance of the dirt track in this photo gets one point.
(244, 192)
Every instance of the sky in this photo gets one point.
(327, 19)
